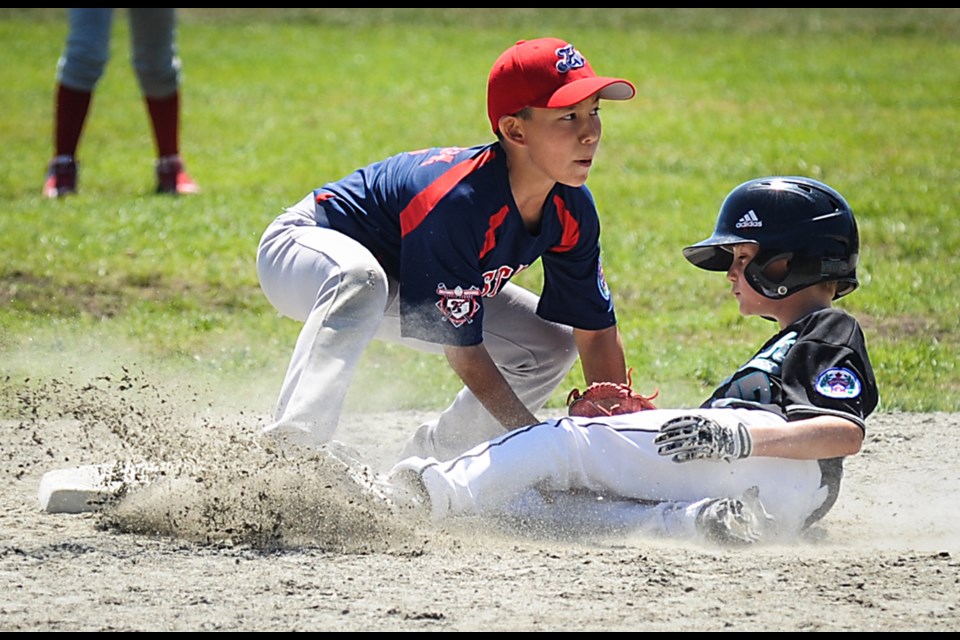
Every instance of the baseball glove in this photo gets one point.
(608, 399)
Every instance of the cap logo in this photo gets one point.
(569, 58)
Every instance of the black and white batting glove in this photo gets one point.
(697, 438)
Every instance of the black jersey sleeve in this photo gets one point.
(828, 370)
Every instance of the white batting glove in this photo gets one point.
(697, 438)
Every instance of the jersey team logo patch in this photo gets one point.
(458, 305)
(838, 383)
(602, 282)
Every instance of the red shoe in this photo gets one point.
(172, 178)
(61, 179)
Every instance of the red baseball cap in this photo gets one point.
(546, 73)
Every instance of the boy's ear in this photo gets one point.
(511, 128)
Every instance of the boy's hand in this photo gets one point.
(694, 437)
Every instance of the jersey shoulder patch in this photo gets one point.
(839, 383)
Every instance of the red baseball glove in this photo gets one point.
(608, 399)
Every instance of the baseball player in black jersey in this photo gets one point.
(762, 458)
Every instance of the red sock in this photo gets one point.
(71, 109)
(165, 118)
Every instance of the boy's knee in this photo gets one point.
(81, 71)
(158, 79)
(363, 286)
(564, 346)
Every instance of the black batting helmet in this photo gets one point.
(790, 217)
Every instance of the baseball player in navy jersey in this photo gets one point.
(420, 248)
(762, 457)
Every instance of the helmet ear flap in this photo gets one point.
(778, 275)
(769, 274)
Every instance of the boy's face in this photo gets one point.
(562, 143)
(752, 303)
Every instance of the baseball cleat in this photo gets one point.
(402, 490)
(61, 178)
(173, 179)
(356, 469)
(734, 521)
(405, 489)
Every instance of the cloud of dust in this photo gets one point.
(215, 483)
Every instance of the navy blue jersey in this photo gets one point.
(818, 365)
(443, 223)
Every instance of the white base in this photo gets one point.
(87, 488)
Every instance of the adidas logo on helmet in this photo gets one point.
(749, 219)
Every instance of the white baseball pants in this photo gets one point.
(338, 289)
(615, 457)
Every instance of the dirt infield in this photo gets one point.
(236, 538)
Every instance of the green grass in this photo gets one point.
(279, 101)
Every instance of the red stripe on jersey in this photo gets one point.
(489, 238)
(424, 202)
(571, 228)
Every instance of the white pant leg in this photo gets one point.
(533, 354)
(338, 290)
(581, 513)
(617, 457)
